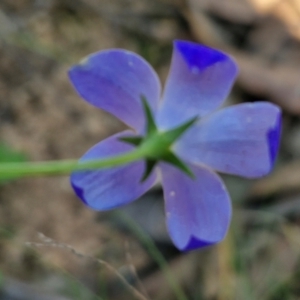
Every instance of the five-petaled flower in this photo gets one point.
(242, 139)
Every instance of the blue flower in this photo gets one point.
(241, 140)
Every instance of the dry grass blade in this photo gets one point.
(48, 242)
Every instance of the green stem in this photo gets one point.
(155, 146)
(63, 167)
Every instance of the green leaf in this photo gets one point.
(7, 154)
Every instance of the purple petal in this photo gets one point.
(109, 188)
(114, 80)
(241, 140)
(198, 210)
(199, 81)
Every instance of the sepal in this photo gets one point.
(150, 165)
(172, 135)
(150, 121)
(132, 140)
(174, 160)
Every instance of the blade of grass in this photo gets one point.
(148, 243)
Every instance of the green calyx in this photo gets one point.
(157, 145)
(154, 146)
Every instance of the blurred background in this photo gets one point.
(42, 118)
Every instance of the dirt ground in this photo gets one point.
(42, 116)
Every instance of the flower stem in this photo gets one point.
(63, 167)
(155, 146)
